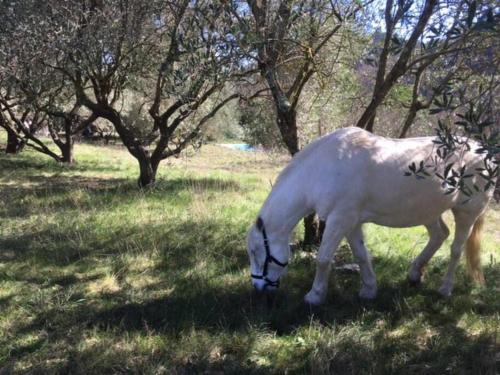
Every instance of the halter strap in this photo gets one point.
(269, 258)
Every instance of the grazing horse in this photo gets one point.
(351, 177)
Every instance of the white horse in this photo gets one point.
(351, 177)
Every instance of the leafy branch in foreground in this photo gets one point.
(473, 130)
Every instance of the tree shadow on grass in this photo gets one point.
(197, 303)
(49, 281)
(201, 184)
(55, 194)
(27, 168)
(103, 193)
(24, 166)
(451, 350)
(177, 250)
(4, 301)
(31, 247)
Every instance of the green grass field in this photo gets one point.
(99, 277)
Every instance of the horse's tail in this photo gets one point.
(473, 251)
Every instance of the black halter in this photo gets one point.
(269, 259)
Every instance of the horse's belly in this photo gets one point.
(408, 212)
(402, 220)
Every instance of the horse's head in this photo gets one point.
(268, 257)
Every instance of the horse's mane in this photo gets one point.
(300, 156)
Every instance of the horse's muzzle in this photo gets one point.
(261, 286)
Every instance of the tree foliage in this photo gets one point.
(160, 71)
(169, 60)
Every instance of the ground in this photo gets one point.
(97, 276)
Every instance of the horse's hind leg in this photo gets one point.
(438, 233)
(464, 222)
(335, 229)
(369, 288)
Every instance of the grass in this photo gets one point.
(99, 277)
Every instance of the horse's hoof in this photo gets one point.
(414, 283)
(270, 300)
(367, 294)
(313, 299)
(445, 291)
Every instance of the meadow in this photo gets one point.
(97, 276)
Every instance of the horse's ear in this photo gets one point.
(259, 223)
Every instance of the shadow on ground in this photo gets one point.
(209, 291)
(197, 304)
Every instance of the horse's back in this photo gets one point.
(352, 170)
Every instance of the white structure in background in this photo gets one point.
(238, 146)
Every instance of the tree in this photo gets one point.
(258, 121)
(33, 96)
(21, 126)
(169, 60)
(22, 118)
(415, 39)
(285, 38)
(467, 110)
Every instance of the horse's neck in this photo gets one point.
(283, 209)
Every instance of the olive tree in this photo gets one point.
(284, 39)
(32, 95)
(155, 70)
(418, 38)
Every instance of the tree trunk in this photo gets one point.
(371, 122)
(287, 124)
(67, 149)
(14, 144)
(313, 230)
(410, 117)
(367, 119)
(148, 170)
(385, 82)
(496, 193)
(67, 153)
(147, 164)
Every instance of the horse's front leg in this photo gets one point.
(335, 229)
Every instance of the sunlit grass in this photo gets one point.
(97, 276)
